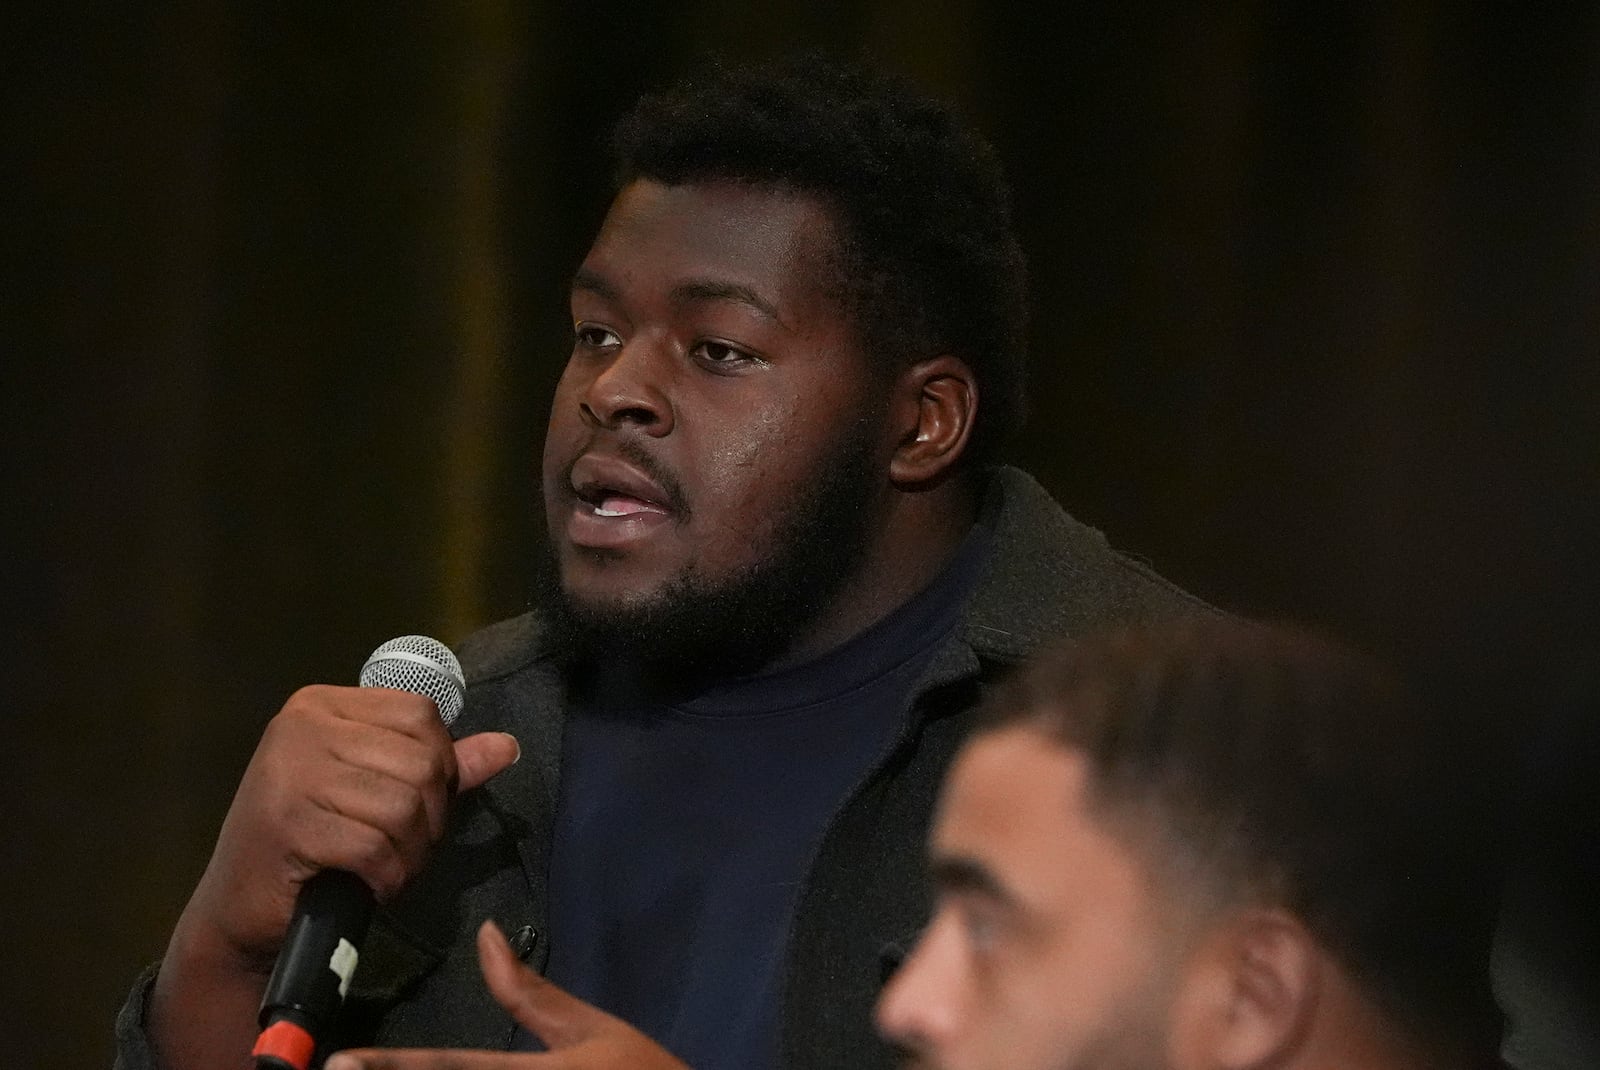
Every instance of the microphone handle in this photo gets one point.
(313, 971)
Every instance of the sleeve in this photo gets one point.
(133, 1044)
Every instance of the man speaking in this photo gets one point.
(784, 566)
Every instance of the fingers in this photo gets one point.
(578, 1036)
(402, 790)
(380, 831)
(322, 765)
(403, 712)
(554, 1016)
(483, 756)
(348, 778)
(428, 1059)
(386, 778)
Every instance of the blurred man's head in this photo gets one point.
(805, 284)
(1202, 845)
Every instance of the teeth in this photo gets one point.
(599, 511)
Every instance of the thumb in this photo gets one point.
(481, 756)
(555, 1016)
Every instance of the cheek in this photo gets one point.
(1063, 999)
(573, 381)
(561, 424)
(1200, 1013)
(754, 457)
(1034, 999)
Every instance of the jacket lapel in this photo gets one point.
(492, 865)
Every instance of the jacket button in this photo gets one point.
(522, 942)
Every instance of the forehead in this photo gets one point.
(776, 242)
(1017, 802)
(1009, 783)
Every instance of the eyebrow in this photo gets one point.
(696, 290)
(600, 286)
(689, 292)
(960, 873)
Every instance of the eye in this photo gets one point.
(980, 931)
(981, 925)
(593, 336)
(722, 355)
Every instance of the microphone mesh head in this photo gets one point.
(422, 666)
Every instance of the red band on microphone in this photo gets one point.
(287, 1043)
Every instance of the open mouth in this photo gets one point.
(607, 501)
(617, 502)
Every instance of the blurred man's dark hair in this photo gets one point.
(1262, 765)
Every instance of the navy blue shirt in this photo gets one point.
(684, 831)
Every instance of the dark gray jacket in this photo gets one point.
(418, 981)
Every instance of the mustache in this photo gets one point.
(629, 449)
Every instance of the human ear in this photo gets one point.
(934, 405)
(1252, 997)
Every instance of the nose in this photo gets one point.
(918, 1009)
(631, 388)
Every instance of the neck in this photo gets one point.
(1351, 1031)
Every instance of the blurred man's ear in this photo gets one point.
(1250, 995)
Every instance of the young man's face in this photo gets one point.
(715, 439)
(1047, 949)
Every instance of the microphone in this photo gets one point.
(334, 906)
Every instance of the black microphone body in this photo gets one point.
(314, 967)
(334, 907)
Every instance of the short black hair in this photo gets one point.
(930, 263)
(1280, 768)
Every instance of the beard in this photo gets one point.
(695, 627)
(1126, 1046)
(1133, 1032)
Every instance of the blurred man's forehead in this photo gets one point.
(1017, 807)
(1014, 804)
(1000, 776)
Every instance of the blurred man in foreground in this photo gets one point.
(1208, 845)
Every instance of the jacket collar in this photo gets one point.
(1051, 578)
(1026, 573)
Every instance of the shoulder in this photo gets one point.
(501, 649)
(1051, 576)
(512, 682)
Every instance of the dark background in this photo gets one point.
(1316, 333)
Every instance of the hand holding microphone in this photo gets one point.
(354, 779)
